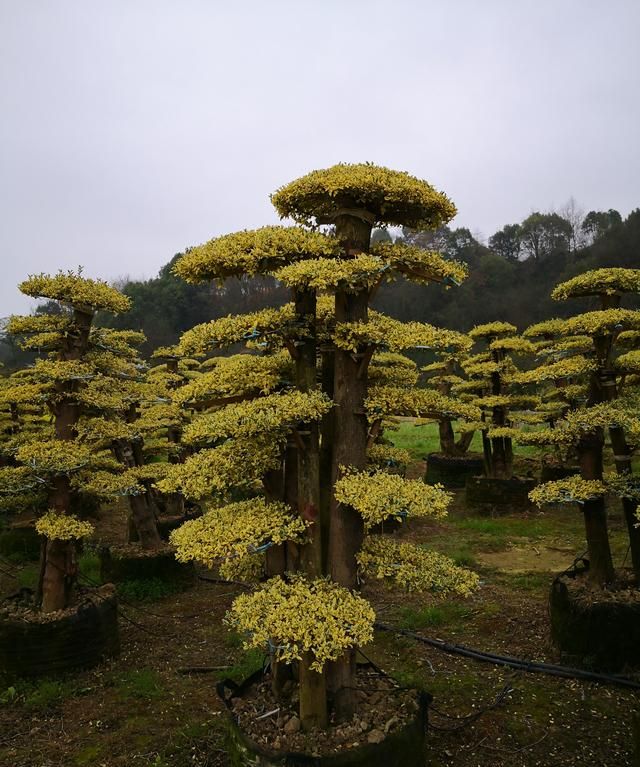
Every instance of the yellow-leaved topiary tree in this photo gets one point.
(285, 440)
(52, 461)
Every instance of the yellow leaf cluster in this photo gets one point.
(570, 367)
(492, 330)
(72, 289)
(350, 274)
(599, 282)
(238, 375)
(420, 265)
(388, 456)
(265, 415)
(390, 197)
(629, 339)
(39, 323)
(253, 252)
(503, 432)
(63, 527)
(414, 567)
(379, 496)
(54, 456)
(120, 342)
(559, 348)
(249, 569)
(236, 530)
(16, 479)
(392, 375)
(624, 485)
(296, 616)
(569, 490)
(629, 362)
(232, 329)
(419, 403)
(545, 329)
(214, 471)
(105, 430)
(601, 322)
(602, 415)
(63, 370)
(395, 336)
(513, 344)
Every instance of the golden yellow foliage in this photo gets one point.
(378, 496)
(599, 282)
(72, 289)
(236, 530)
(296, 616)
(414, 567)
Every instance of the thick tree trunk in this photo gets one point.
(502, 455)
(326, 454)
(309, 452)
(464, 443)
(313, 693)
(447, 437)
(291, 497)
(144, 521)
(59, 568)
(142, 516)
(486, 454)
(60, 575)
(276, 556)
(58, 565)
(350, 447)
(622, 458)
(595, 515)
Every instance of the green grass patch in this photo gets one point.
(447, 613)
(248, 662)
(37, 695)
(529, 581)
(28, 577)
(535, 528)
(463, 556)
(418, 440)
(88, 755)
(89, 565)
(140, 684)
(148, 589)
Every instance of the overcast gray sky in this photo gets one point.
(130, 129)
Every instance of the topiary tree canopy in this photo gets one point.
(52, 464)
(592, 371)
(285, 444)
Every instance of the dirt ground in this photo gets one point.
(149, 708)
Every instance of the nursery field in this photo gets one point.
(156, 705)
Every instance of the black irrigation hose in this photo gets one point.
(516, 663)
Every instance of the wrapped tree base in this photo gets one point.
(133, 563)
(493, 497)
(33, 644)
(596, 628)
(452, 470)
(400, 742)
